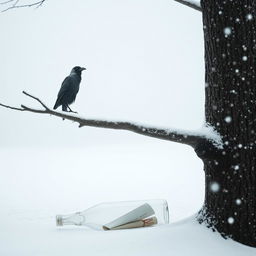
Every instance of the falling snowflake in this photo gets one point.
(244, 58)
(227, 31)
(228, 119)
(249, 16)
(215, 187)
(238, 201)
(231, 220)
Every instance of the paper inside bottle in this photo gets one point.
(134, 219)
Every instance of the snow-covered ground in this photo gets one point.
(36, 184)
(185, 238)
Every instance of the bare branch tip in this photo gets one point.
(24, 92)
(190, 4)
(10, 107)
(15, 4)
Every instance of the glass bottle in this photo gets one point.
(119, 215)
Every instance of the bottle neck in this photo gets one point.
(71, 219)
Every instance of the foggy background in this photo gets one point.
(144, 61)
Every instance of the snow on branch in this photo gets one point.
(195, 4)
(185, 137)
(13, 4)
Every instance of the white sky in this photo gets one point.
(144, 61)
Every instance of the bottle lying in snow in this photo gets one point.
(119, 215)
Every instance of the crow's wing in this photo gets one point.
(66, 88)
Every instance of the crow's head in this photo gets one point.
(77, 70)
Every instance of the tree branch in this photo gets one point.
(190, 3)
(184, 137)
(6, 106)
(6, 2)
(17, 5)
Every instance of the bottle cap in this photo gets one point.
(59, 220)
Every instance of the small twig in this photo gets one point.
(40, 4)
(190, 4)
(15, 5)
(33, 97)
(6, 2)
(6, 106)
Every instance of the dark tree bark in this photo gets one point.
(230, 45)
(230, 107)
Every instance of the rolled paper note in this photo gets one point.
(140, 213)
(136, 224)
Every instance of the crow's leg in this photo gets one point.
(64, 108)
(70, 110)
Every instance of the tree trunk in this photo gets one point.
(230, 46)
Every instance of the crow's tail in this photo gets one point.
(57, 104)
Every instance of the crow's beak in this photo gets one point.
(83, 69)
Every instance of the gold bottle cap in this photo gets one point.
(59, 221)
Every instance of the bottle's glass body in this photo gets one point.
(118, 213)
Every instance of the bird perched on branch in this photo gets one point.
(69, 89)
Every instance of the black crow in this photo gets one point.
(69, 89)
